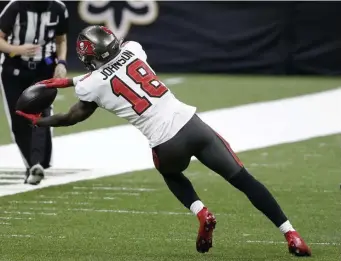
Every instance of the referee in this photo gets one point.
(33, 48)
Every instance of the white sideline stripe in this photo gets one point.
(5, 175)
(282, 242)
(258, 125)
(11, 181)
(5, 223)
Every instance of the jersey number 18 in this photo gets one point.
(141, 74)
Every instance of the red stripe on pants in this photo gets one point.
(155, 159)
(227, 145)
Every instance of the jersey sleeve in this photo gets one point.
(8, 16)
(80, 78)
(63, 24)
(84, 93)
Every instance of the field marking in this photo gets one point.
(8, 218)
(29, 208)
(107, 194)
(160, 239)
(283, 242)
(114, 188)
(11, 181)
(123, 211)
(29, 213)
(5, 175)
(173, 81)
(273, 122)
(32, 202)
(56, 197)
(139, 212)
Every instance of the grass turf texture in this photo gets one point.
(207, 92)
(80, 221)
(86, 226)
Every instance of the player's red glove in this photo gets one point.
(31, 117)
(57, 83)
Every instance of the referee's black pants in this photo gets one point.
(35, 144)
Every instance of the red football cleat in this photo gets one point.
(207, 224)
(296, 244)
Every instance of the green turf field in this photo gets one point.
(134, 216)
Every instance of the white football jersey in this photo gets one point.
(129, 88)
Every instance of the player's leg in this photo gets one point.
(41, 143)
(12, 87)
(41, 150)
(217, 155)
(170, 164)
(170, 159)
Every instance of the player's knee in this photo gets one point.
(240, 178)
(171, 175)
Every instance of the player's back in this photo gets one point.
(129, 88)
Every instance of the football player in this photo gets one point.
(121, 81)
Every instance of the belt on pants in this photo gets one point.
(31, 64)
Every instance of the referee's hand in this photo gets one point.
(29, 50)
(60, 71)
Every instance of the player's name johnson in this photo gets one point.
(111, 68)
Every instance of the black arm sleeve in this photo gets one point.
(8, 16)
(63, 25)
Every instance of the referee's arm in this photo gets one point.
(7, 20)
(61, 43)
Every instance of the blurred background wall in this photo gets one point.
(221, 37)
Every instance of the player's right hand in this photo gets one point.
(57, 83)
(29, 50)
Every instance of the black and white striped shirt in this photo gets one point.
(34, 22)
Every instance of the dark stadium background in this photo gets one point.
(227, 37)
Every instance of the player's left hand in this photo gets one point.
(60, 71)
(33, 118)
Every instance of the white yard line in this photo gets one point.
(266, 242)
(8, 218)
(157, 239)
(259, 125)
(128, 211)
(139, 212)
(29, 213)
(32, 202)
(114, 188)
